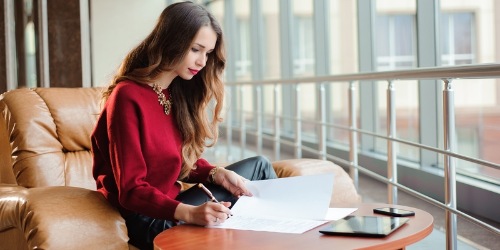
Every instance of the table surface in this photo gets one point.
(197, 237)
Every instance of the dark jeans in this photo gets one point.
(143, 229)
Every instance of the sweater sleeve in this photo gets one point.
(200, 174)
(129, 163)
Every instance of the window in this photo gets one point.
(243, 60)
(395, 42)
(457, 38)
(303, 58)
(396, 49)
(477, 112)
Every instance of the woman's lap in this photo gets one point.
(143, 229)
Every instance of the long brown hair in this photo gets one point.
(164, 48)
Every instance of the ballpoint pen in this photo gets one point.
(210, 195)
(207, 192)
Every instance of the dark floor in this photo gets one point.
(470, 235)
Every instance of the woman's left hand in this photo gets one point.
(232, 182)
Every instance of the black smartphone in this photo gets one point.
(397, 212)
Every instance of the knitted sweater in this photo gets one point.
(137, 153)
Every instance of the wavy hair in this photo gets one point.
(163, 49)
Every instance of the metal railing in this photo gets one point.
(445, 74)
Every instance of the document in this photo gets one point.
(337, 213)
(285, 205)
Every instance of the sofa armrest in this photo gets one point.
(62, 218)
(344, 192)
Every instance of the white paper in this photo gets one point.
(286, 205)
(335, 213)
(276, 224)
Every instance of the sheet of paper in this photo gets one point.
(277, 224)
(288, 205)
(335, 213)
(300, 197)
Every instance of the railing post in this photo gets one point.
(392, 166)
(242, 125)
(260, 113)
(449, 164)
(298, 123)
(353, 139)
(277, 129)
(322, 129)
(229, 122)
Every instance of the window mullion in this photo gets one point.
(367, 90)
(429, 55)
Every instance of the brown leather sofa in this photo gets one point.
(47, 193)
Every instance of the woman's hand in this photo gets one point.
(209, 213)
(232, 182)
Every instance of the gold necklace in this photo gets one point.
(166, 103)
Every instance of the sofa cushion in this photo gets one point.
(49, 134)
(60, 218)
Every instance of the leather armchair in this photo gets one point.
(47, 193)
(47, 197)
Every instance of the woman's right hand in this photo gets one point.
(206, 214)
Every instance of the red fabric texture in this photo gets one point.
(137, 153)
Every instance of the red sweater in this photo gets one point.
(137, 153)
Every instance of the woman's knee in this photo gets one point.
(266, 167)
(262, 160)
(254, 168)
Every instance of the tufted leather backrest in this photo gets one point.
(45, 136)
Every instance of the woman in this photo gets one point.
(154, 126)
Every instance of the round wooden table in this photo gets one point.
(196, 237)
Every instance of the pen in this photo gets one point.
(207, 192)
(210, 195)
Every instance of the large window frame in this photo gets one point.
(430, 95)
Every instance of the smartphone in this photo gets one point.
(397, 212)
